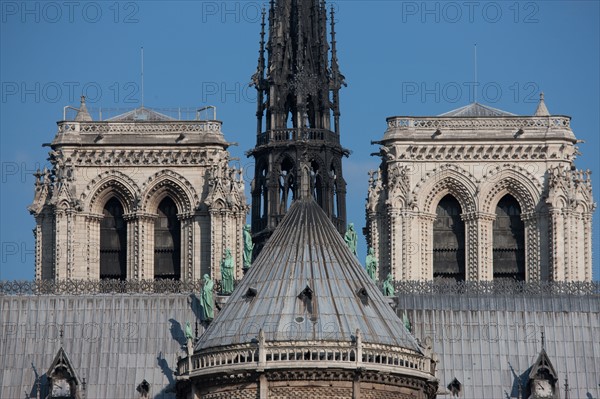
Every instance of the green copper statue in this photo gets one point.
(351, 238)
(372, 264)
(248, 246)
(388, 286)
(189, 334)
(206, 298)
(227, 273)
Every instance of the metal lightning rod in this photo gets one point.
(142, 51)
(475, 70)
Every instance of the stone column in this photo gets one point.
(395, 244)
(187, 246)
(37, 232)
(60, 252)
(92, 257)
(479, 246)
(532, 246)
(132, 254)
(556, 242)
(411, 245)
(424, 257)
(73, 251)
(146, 245)
(472, 243)
(587, 245)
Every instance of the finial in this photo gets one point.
(82, 113)
(543, 341)
(567, 389)
(542, 110)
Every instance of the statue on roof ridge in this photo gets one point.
(206, 299)
(248, 246)
(351, 238)
(371, 264)
(227, 273)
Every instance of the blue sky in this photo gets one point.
(399, 58)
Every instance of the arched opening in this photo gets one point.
(334, 202)
(509, 240)
(286, 184)
(167, 242)
(316, 183)
(113, 241)
(448, 241)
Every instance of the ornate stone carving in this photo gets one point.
(179, 188)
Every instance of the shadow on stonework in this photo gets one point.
(196, 306)
(519, 382)
(169, 390)
(177, 332)
(39, 388)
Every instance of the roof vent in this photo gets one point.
(455, 387)
(307, 293)
(363, 295)
(143, 389)
(251, 293)
(306, 296)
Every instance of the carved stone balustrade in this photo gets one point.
(305, 134)
(317, 354)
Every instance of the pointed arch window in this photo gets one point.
(509, 240)
(167, 242)
(449, 241)
(113, 241)
(287, 185)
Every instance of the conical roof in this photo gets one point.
(541, 109)
(475, 110)
(82, 114)
(306, 285)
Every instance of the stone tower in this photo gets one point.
(297, 116)
(481, 194)
(138, 196)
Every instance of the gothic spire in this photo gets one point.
(298, 152)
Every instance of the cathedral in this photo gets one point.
(149, 284)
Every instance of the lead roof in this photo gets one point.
(306, 285)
